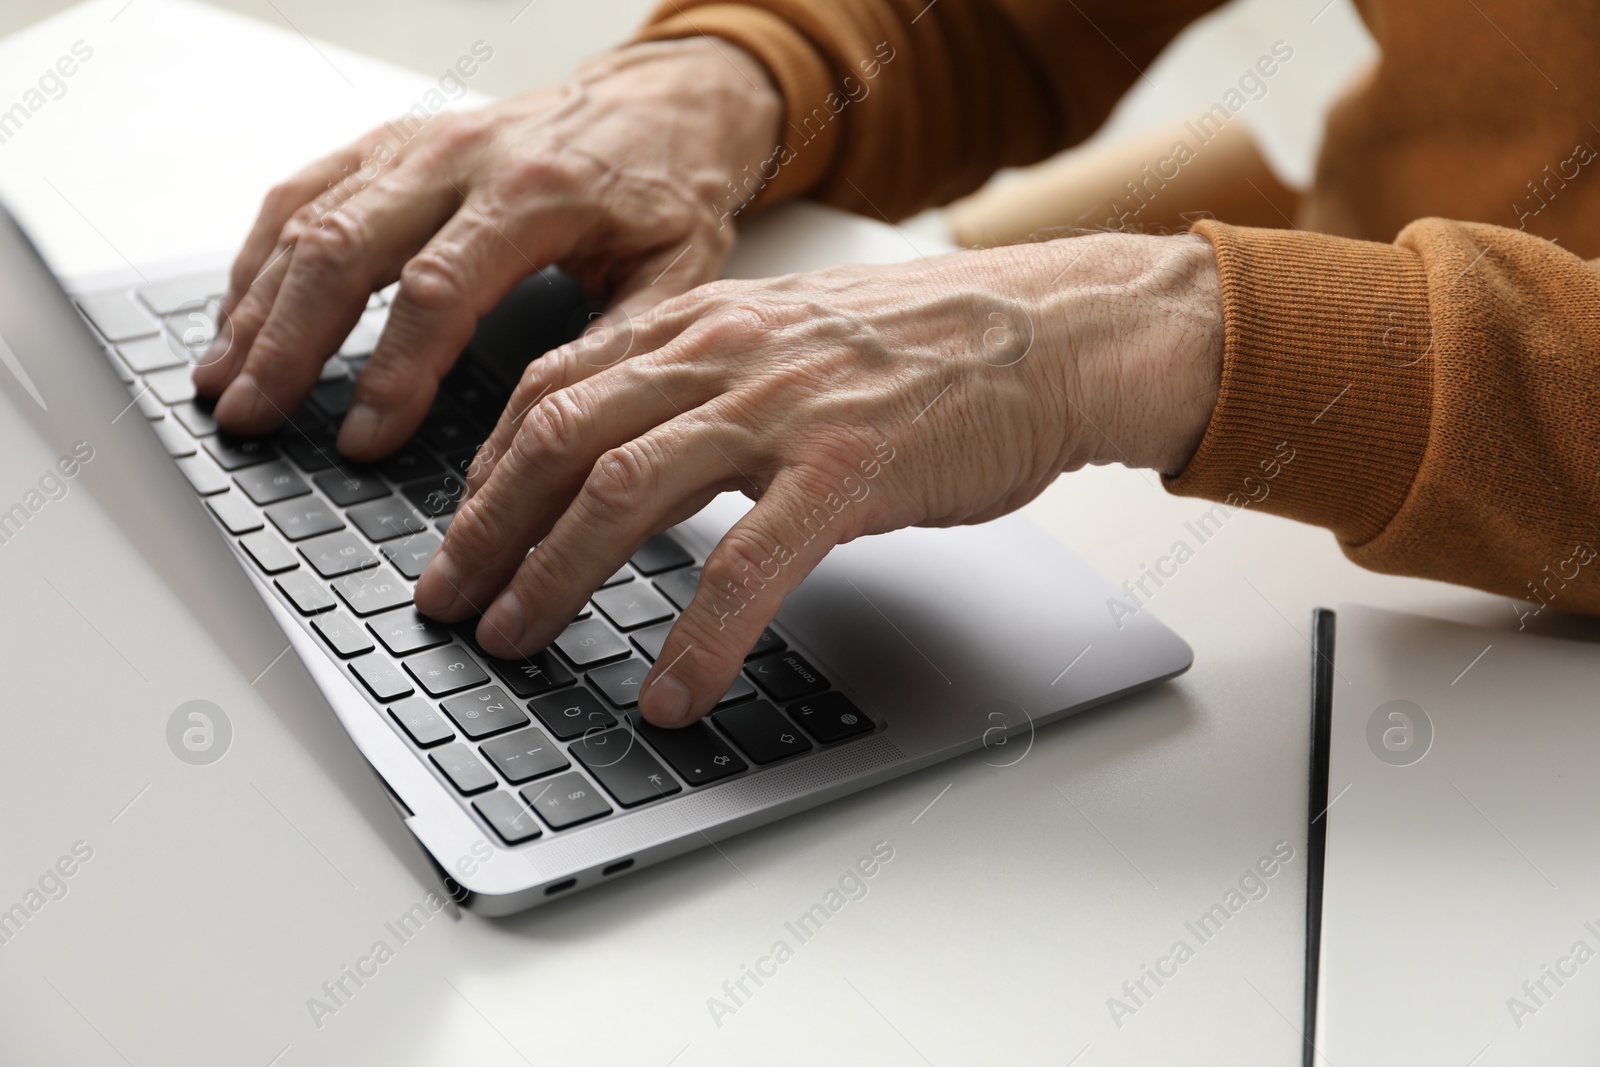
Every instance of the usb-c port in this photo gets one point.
(617, 867)
(560, 887)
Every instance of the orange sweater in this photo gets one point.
(1440, 393)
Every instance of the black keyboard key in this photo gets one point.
(370, 592)
(306, 420)
(525, 755)
(484, 712)
(379, 674)
(766, 644)
(346, 486)
(624, 574)
(436, 495)
(476, 399)
(332, 399)
(344, 635)
(679, 586)
(589, 642)
(235, 453)
(268, 483)
(695, 752)
(785, 675)
(411, 462)
(660, 553)
(234, 512)
(387, 518)
(446, 670)
(304, 517)
(539, 673)
(449, 432)
(411, 556)
(620, 762)
(311, 450)
(337, 553)
(632, 604)
(565, 801)
(464, 769)
(830, 717)
(761, 732)
(308, 595)
(509, 815)
(651, 638)
(620, 682)
(420, 722)
(405, 631)
(270, 554)
(571, 713)
(460, 462)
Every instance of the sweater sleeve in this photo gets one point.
(892, 106)
(1434, 402)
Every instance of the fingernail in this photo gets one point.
(359, 430)
(439, 589)
(665, 702)
(504, 620)
(238, 401)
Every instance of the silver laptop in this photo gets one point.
(527, 780)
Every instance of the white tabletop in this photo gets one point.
(219, 899)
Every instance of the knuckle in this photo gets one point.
(432, 282)
(548, 431)
(332, 243)
(542, 173)
(621, 479)
(460, 132)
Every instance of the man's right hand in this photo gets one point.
(621, 176)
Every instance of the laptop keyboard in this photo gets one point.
(530, 747)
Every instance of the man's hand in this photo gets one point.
(850, 401)
(620, 176)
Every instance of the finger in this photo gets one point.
(606, 343)
(634, 491)
(462, 272)
(755, 565)
(545, 465)
(221, 363)
(337, 262)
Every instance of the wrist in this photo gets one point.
(1137, 346)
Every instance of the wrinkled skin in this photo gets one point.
(845, 402)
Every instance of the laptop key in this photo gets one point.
(405, 631)
(761, 732)
(421, 723)
(351, 485)
(464, 769)
(381, 677)
(741, 689)
(389, 517)
(235, 453)
(571, 713)
(436, 495)
(589, 642)
(270, 554)
(660, 553)
(509, 815)
(831, 717)
(150, 354)
(449, 432)
(679, 586)
(632, 604)
(337, 553)
(524, 755)
(196, 417)
(619, 761)
(766, 644)
(305, 517)
(695, 752)
(332, 399)
(445, 670)
(620, 682)
(203, 475)
(651, 638)
(564, 801)
(311, 450)
(172, 386)
(168, 296)
(785, 675)
(369, 592)
(411, 462)
(624, 574)
(411, 556)
(484, 712)
(116, 316)
(271, 482)
(539, 673)
(308, 595)
(235, 513)
(344, 635)
(177, 443)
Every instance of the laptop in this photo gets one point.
(531, 779)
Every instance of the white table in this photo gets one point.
(1019, 898)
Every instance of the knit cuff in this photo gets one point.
(799, 71)
(1326, 398)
